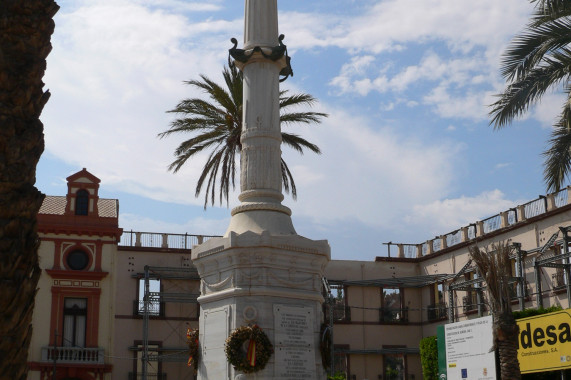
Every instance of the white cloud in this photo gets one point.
(371, 175)
(114, 71)
(449, 214)
(548, 110)
(388, 25)
(502, 165)
(453, 74)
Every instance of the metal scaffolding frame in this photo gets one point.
(554, 260)
(476, 284)
(160, 273)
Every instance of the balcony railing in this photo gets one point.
(388, 315)
(161, 240)
(485, 226)
(437, 311)
(155, 308)
(75, 355)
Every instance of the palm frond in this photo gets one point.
(528, 49)
(295, 100)
(287, 180)
(187, 150)
(216, 125)
(520, 95)
(302, 117)
(546, 10)
(558, 155)
(298, 143)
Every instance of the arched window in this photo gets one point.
(81, 202)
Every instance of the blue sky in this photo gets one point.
(407, 150)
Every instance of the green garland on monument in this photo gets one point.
(258, 350)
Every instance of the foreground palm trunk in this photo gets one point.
(492, 265)
(26, 27)
(505, 339)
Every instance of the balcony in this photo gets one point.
(391, 315)
(73, 355)
(437, 311)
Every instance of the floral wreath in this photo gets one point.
(192, 340)
(325, 346)
(259, 351)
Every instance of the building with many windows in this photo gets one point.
(383, 308)
(115, 304)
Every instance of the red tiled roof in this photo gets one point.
(55, 205)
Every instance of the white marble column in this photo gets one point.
(260, 170)
(261, 272)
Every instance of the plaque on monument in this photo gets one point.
(215, 327)
(294, 342)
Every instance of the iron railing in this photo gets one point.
(529, 210)
(162, 240)
(535, 207)
(155, 308)
(437, 311)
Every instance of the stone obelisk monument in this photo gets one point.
(261, 272)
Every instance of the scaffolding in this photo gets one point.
(152, 298)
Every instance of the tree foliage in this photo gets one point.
(537, 60)
(429, 358)
(215, 126)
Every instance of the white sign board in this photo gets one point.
(468, 346)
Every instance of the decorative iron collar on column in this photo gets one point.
(277, 52)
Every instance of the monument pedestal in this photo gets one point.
(274, 281)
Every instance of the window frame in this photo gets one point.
(75, 312)
(401, 311)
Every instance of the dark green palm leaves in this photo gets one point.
(537, 60)
(215, 126)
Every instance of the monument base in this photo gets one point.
(272, 281)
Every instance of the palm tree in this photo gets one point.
(25, 31)
(492, 266)
(217, 126)
(537, 60)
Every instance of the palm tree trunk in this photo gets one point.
(25, 31)
(506, 335)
